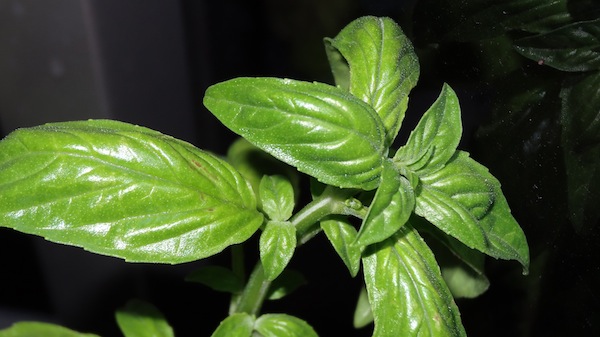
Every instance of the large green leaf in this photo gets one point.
(123, 190)
(465, 201)
(393, 204)
(433, 141)
(580, 139)
(574, 47)
(236, 325)
(38, 329)
(322, 130)
(141, 319)
(406, 291)
(281, 325)
(383, 67)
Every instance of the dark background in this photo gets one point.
(148, 62)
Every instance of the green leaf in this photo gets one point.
(285, 283)
(342, 236)
(433, 141)
(281, 325)
(407, 293)
(393, 204)
(277, 197)
(574, 47)
(382, 67)
(217, 278)
(277, 245)
(580, 140)
(123, 190)
(363, 315)
(236, 325)
(489, 18)
(321, 130)
(37, 329)
(465, 201)
(141, 319)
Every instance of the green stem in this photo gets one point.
(332, 201)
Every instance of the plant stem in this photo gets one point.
(254, 293)
(332, 201)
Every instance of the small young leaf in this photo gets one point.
(123, 190)
(277, 245)
(285, 283)
(383, 67)
(463, 282)
(320, 129)
(433, 142)
(342, 236)
(393, 204)
(465, 201)
(38, 329)
(236, 325)
(363, 315)
(574, 47)
(277, 197)
(281, 325)
(141, 319)
(407, 293)
(217, 278)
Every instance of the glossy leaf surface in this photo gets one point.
(123, 190)
(321, 130)
(141, 319)
(383, 67)
(277, 245)
(574, 47)
(433, 141)
(217, 278)
(393, 204)
(281, 325)
(277, 197)
(406, 291)
(236, 325)
(37, 329)
(465, 201)
(342, 236)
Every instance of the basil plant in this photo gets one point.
(130, 192)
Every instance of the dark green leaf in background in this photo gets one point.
(383, 67)
(217, 278)
(580, 119)
(277, 197)
(236, 325)
(393, 204)
(320, 129)
(574, 47)
(277, 245)
(288, 281)
(141, 319)
(407, 293)
(433, 141)
(123, 190)
(281, 325)
(465, 201)
(39, 329)
(342, 236)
